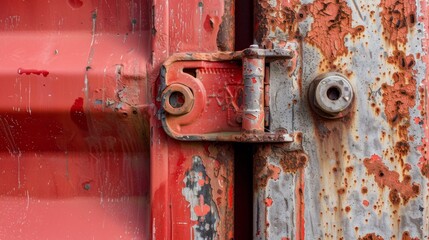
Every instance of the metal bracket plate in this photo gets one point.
(218, 96)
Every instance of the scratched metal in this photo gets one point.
(363, 178)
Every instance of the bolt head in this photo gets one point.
(332, 94)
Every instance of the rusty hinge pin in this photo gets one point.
(253, 110)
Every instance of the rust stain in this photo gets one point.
(332, 22)
(402, 148)
(226, 35)
(371, 236)
(272, 19)
(290, 161)
(400, 97)
(397, 18)
(265, 172)
(404, 189)
(406, 236)
(221, 173)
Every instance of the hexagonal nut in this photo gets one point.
(177, 99)
(331, 94)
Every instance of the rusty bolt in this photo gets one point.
(331, 95)
(177, 99)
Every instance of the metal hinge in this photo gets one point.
(220, 96)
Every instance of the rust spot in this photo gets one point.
(385, 177)
(365, 203)
(349, 169)
(347, 209)
(425, 169)
(397, 18)
(332, 22)
(400, 97)
(402, 148)
(364, 190)
(371, 236)
(394, 197)
(264, 171)
(406, 236)
(290, 161)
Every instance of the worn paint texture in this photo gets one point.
(366, 176)
(332, 21)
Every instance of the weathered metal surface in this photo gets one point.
(220, 100)
(191, 183)
(226, 34)
(366, 176)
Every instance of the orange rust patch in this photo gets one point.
(400, 97)
(385, 177)
(424, 161)
(394, 197)
(349, 169)
(292, 161)
(270, 20)
(402, 148)
(263, 170)
(397, 18)
(371, 236)
(332, 22)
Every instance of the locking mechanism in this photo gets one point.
(220, 96)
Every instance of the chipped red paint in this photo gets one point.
(398, 17)
(332, 23)
(405, 189)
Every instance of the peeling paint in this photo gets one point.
(397, 18)
(332, 23)
(400, 97)
(198, 193)
(405, 189)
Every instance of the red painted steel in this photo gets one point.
(74, 130)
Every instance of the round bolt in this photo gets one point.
(177, 99)
(331, 95)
